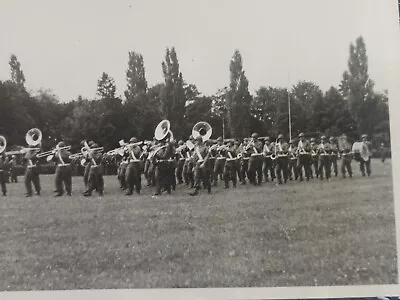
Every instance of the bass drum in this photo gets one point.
(361, 152)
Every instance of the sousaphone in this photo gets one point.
(202, 129)
(33, 137)
(3, 144)
(162, 130)
(361, 152)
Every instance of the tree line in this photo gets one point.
(352, 108)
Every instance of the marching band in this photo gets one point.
(198, 163)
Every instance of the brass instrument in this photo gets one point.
(50, 154)
(88, 152)
(33, 137)
(202, 129)
(3, 144)
(162, 130)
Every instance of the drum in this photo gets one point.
(360, 151)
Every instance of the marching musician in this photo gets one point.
(95, 177)
(304, 157)
(218, 160)
(172, 165)
(314, 158)
(324, 152)
(3, 163)
(31, 172)
(133, 169)
(202, 170)
(180, 162)
(292, 163)
(13, 169)
(236, 150)
(87, 166)
(244, 162)
(230, 165)
(282, 149)
(188, 174)
(268, 165)
(366, 165)
(149, 167)
(334, 155)
(63, 171)
(123, 164)
(347, 157)
(255, 160)
(161, 160)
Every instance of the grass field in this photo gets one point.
(301, 234)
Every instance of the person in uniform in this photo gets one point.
(268, 164)
(334, 155)
(230, 165)
(13, 169)
(88, 163)
(219, 163)
(180, 157)
(95, 178)
(347, 157)
(304, 158)
(292, 166)
(133, 169)
(282, 149)
(63, 171)
(3, 184)
(161, 160)
(172, 165)
(314, 158)
(123, 164)
(202, 170)
(32, 172)
(255, 161)
(188, 174)
(236, 150)
(365, 166)
(244, 162)
(324, 152)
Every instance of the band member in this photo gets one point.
(63, 171)
(151, 181)
(314, 158)
(122, 171)
(236, 150)
(244, 163)
(87, 166)
(292, 163)
(172, 165)
(304, 157)
(3, 163)
(268, 164)
(256, 160)
(95, 178)
(347, 157)
(219, 163)
(202, 170)
(188, 172)
(161, 159)
(180, 162)
(282, 149)
(366, 164)
(133, 170)
(13, 169)
(32, 172)
(230, 165)
(334, 155)
(382, 152)
(324, 152)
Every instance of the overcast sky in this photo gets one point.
(66, 45)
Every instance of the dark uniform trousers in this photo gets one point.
(218, 168)
(293, 170)
(255, 169)
(151, 174)
(13, 172)
(304, 162)
(122, 175)
(32, 177)
(346, 165)
(96, 180)
(188, 175)
(334, 166)
(230, 173)
(244, 166)
(3, 182)
(86, 174)
(365, 166)
(324, 166)
(133, 177)
(315, 164)
(172, 165)
(179, 170)
(202, 175)
(237, 168)
(282, 168)
(212, 161)
(268, 169)
(162, 176)
(63, 179)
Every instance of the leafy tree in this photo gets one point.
(17, 75)
(136, 76)
(106, 87)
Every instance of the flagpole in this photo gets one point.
(290, 117)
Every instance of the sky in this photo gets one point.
(65, 46)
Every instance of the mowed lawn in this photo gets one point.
(301, 234)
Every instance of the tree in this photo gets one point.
(17, 75)
(106, 87)
(136, 76)
(238, 99)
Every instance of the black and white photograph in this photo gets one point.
(196, 144)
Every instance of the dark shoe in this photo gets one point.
(58, 195)
(37, 193)
(28, 195)
(194, 193)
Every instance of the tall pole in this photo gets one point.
(223, 127)
(290, 117)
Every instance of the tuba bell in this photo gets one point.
(33, 137)
(202, 129)
(3, 144)
(162, 130)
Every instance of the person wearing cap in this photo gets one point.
(382, 152)
(180, 157)
(13, 169)
(121, 175)
(172, 164)
(334, 155)
(324, 152)
(292, 163)
(268, 167)
(149, 166)
(230, 165)
(188, 175)
(347, 157)
(366, 165)
(244, 162)
(314, 158)
(304, 158)
(220, 160)
(63, 176)
(255, 160)
(3, 184)
(235, 153)
(202, 170)
(282, 149)
(95, 180)
(133, 170)
(31, 162)
(161, 161)
(88, 163)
